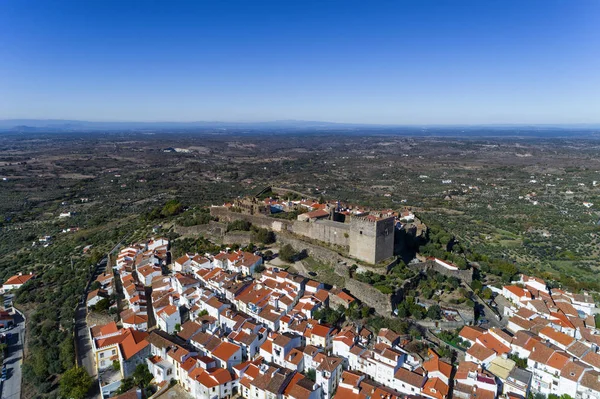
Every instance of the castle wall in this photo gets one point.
(225, 215)
(365, 240)
(324, 230)
(237, 237)
(318, 252)
(365, 293)
(464, 275)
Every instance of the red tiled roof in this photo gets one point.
(18, 280)
(480, 352)
(435, 364)
(491, 342)
(471, 332)
(133, 343)
(225, 351)
(557, 336)
(436, 388)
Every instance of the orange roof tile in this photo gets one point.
(17, 280)
(225, 351)
(436, 388)
(557, 336)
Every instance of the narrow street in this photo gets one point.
(83, 344)
(11, 388)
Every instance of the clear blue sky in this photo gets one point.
(401, 62)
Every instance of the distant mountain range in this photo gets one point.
(63, 125)
(76, 124)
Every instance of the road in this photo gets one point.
(11, 388)
(489, 315)
(85, 356)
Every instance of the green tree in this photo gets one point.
(486, 293)
(126, 385)
(520, 362)
(287, 253)
(75, 383)
(171, 208)
(365, 311)
(434, 312)
(142, 375)
(403, 311)
(418, 314)
(67, 353)
(103, 304)
(263, 236)
(239, 225)
(40, 364)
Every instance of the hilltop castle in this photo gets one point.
(365, 235)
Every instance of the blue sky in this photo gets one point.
(397, 62)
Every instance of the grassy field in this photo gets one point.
(325, 273)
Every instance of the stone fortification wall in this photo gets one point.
(441, 325)
(276, 225)
(213, 228)
(363, 292)
(324, 230)
(464, 275)
(237, 237)
(363, 239)
(370, 296)
(318, 252)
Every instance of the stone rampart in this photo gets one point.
(237, 237)
(324, 230)
(276, 225)
(463, 275)
(370, 296)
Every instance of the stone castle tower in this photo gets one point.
(372, 238)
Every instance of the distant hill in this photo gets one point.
(283, 126)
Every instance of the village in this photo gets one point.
(240, 322)
(230, 324)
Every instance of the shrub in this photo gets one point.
(434, 312)
(287, 253)
(75, 383)
(239, 225)
(263, 236)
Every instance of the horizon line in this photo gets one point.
(508, 124)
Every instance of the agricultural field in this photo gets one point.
(502, 204)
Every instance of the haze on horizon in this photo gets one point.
(427, 62)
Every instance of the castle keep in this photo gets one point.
(372, 238)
